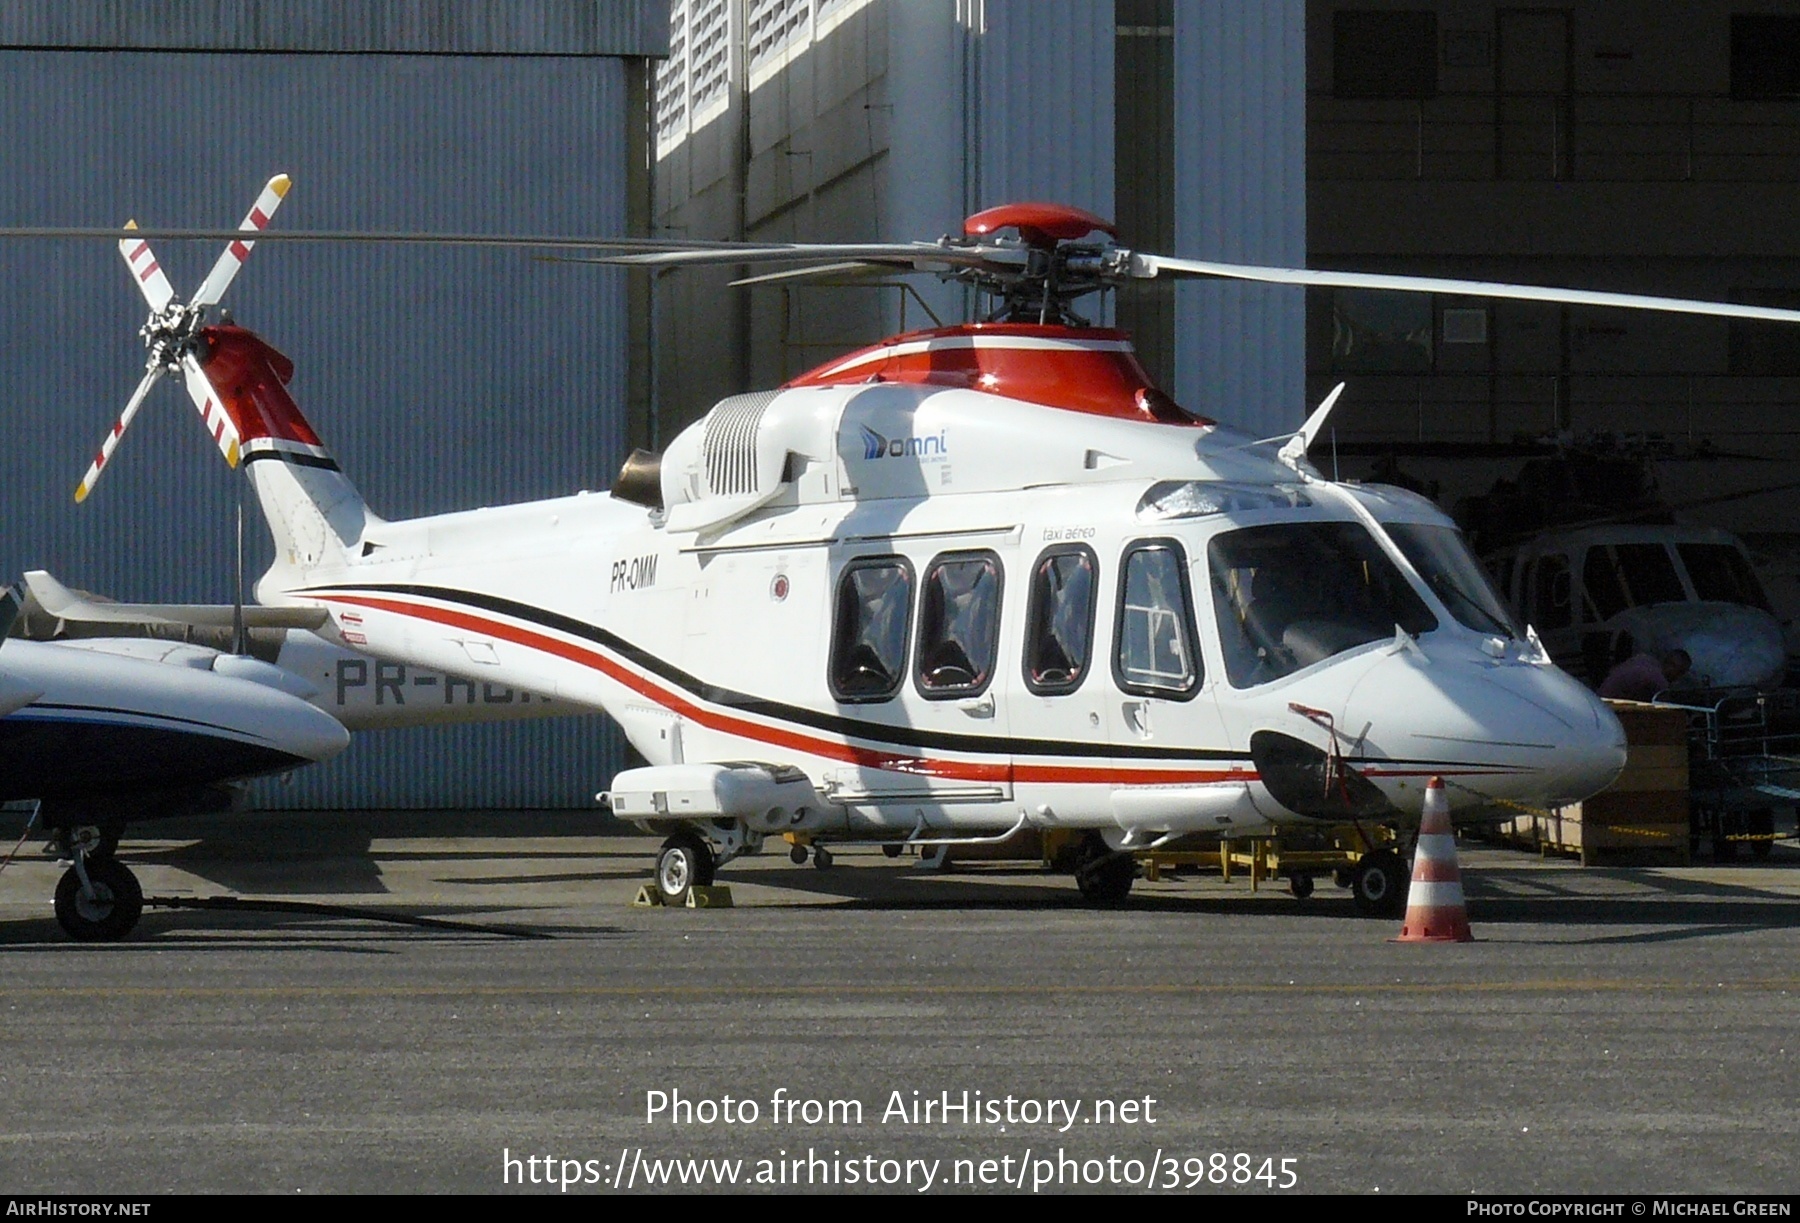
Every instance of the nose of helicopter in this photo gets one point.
(1528, 734)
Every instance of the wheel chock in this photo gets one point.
(647, 898)
(716, 896)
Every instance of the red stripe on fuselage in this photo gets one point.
(675, 702)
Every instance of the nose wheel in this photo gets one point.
(1378, 884)
(98, 900)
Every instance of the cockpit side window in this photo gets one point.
(959, 624)
(869, 629)
(1059, 620)
(1292, 594)
(1154, 654)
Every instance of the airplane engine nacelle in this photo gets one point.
(767, 797)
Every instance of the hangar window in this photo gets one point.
(1765, 56)
(868, 639)
(1155, 654)
(1059, 620)
(1384, 53)
(959, 624)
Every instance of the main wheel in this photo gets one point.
(686, 862)
(1104, 877)
(1300, 885)
(1378, 884)
(893, 849)
(1762, 827)
(821, 857)
(109, 913)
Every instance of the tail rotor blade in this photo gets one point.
(219, 279)
(146, 271)
(212, 411)
(118, 431)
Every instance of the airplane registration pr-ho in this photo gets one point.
(964, 582)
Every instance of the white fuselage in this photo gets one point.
(724, 626)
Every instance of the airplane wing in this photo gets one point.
(59, 601)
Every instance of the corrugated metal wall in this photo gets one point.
(441, 378)
(469, 27)
(1045, 97)
(1240, 174)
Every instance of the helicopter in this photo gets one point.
(961, 583)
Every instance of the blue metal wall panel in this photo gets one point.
(469, 27)
(1046, 104)
(1240, 178)
(441, 378)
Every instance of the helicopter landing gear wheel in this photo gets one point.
(822, 857)
(1104, 875)
(1300, 885)
(1378, 884)
(797, 855)
(104, 909)
(893, 849)
(686, 862)
(1762, 826)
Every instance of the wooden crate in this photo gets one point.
(1642, 818)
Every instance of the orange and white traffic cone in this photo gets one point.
(1434, 906)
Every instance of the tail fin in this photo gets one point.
(315, 514)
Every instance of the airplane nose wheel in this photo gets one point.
(686, 862)
(102, 907)
(1378, 884)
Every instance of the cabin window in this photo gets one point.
(1550, 592)
(868, 640)
(1155, 654)
(1059, 620)
(1290, 595)
(959, 624)
(1721, 575)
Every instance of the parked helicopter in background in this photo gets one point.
(958, 584)
(1587, 549)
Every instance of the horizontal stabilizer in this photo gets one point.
(59, 601)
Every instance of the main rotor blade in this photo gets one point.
(914, 254)
(111, 442)
(1155, 265)
(854, 268)
(212, 289)
(146, 271)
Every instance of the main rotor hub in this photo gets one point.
(1054, 269)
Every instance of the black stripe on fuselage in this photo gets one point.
(851, 728)
(76, 757)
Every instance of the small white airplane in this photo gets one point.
(102, 732)
(961, 583)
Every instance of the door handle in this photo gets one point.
(978, 707)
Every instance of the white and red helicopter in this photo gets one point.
(961, 583)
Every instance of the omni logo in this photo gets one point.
(875, 446)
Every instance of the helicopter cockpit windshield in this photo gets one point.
(1454, 575)
(1287, 595)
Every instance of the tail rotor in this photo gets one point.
(172, 332)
